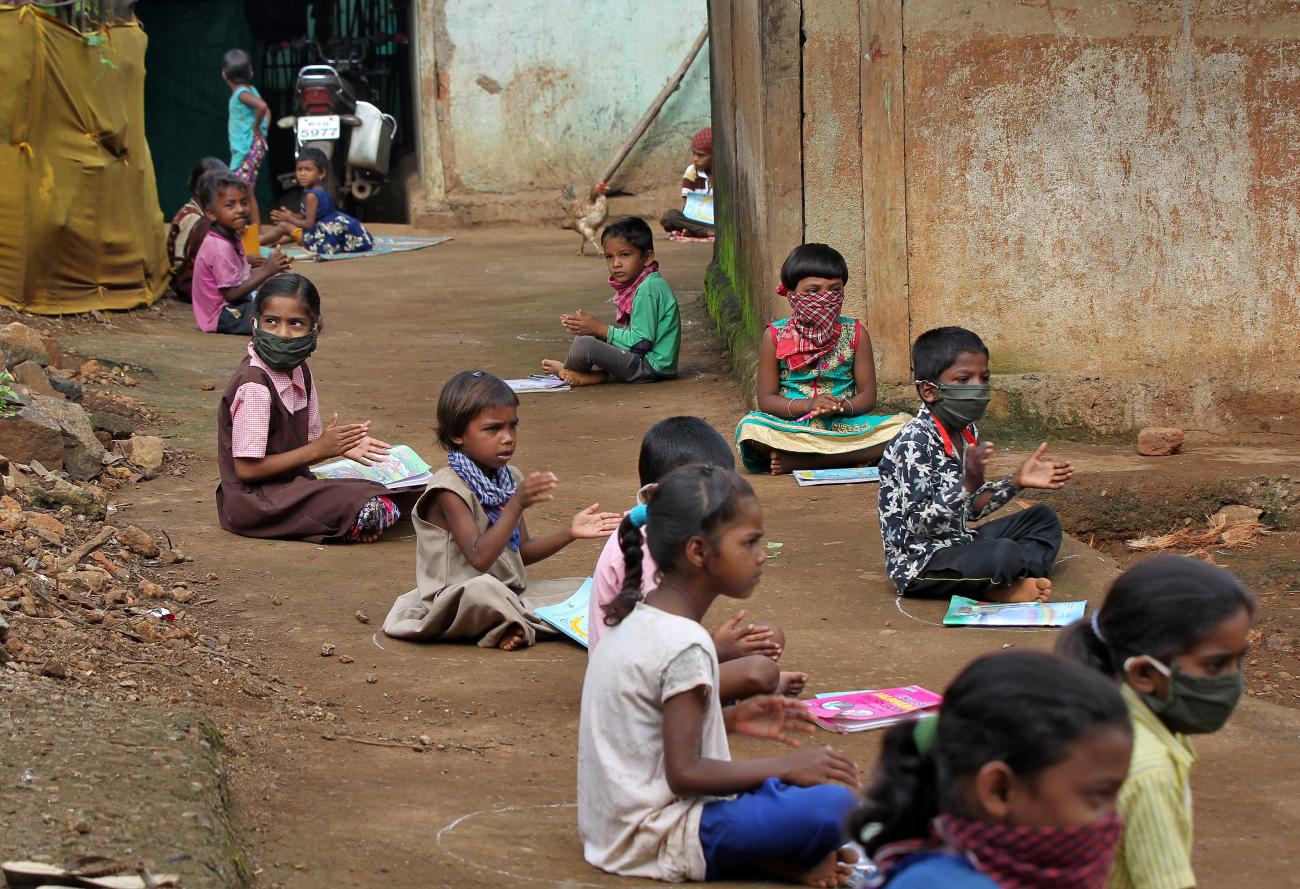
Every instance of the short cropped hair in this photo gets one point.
(465, 396)
(207, 165)
(937, 350)
(681, 441)
(237, 65)
(632, 229)
(317, 157)
(813, 261)
(212, 184)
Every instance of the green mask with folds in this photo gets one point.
(280, 352)
(960, 404)
(1197, 705)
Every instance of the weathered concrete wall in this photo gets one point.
(1107, 190)
(531, 94)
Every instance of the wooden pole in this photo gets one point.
(655, 107)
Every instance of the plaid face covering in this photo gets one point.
(493, 492)
(813, 328)
(1037, 858)
(623, 296)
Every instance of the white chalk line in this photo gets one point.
(478, 865)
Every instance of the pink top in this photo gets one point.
(608, 580)
(250, 410)
(219, 263)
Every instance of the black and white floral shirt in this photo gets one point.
(924, 504)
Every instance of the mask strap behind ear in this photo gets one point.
(1165, 671)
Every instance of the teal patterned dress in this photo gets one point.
(833, 434)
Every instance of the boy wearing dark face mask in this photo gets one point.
(932, 482)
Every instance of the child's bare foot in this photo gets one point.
(834, 871)
(513, 640)
(778, 467)
(790, 684)
(1027, 589)
(574, 378)
(551, 366)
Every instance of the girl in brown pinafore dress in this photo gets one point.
(471, 539)
(264, 447)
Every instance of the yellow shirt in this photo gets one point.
(1156, 802)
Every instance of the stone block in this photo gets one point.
(83, 455)
(32, 375)
(20, 343)
(116, 425)
(1159, 441)
(32, 434)
(145, 451)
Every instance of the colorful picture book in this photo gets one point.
(539, 383)
(570, 616)
(402, 468)
(809, 477)
(860, 711)
(963, 612)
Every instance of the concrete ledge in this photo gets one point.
(132, 782)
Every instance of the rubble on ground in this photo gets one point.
(1160, 441)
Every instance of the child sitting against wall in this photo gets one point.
(695, 219)
(321, 227)
(224, 283)
(816, 378)
(932, 482)
(748, 653)
(187, 230)
(641, 345)
(471, 540)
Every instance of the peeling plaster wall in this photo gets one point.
(531, 94)
(1108, 190)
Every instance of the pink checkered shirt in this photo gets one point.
(250, 411)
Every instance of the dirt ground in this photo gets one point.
(491, 798)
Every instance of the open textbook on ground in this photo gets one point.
(539, 383)
(808, 477)
(963, 612)
(402, 468)
(859, 711)
(570, 616)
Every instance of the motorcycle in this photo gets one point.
(354, 134)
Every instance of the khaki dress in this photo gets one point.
(452, 599)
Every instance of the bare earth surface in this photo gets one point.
(489, 802)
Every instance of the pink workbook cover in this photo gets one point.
(862, 710)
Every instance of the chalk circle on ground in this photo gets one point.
(539, 337)
(939, 607)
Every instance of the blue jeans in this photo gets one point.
(797, 826)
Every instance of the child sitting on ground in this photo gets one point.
(932, 482)
(471, 539)
(1173, 633)
(322, 227)
(748, 653)
(224, 283)
(658, 793)
(247, 117)
(1013, 784)
(269, 432)
(641, 345)
(816, 378)
(187, 230)
(695, 219)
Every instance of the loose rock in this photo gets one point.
(362, 617)
(115, 425)
(207, 385)
(145, 451)
(138, 542)
(32, 434)
(1159, 441)
(83, 455)
(151, 590)
(32, 375)
(20, 343)
(55, 493)
(327, 650)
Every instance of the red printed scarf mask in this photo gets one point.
(813, 328)
(624, 294)
(1037, 857)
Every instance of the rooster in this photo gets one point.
(585, 216)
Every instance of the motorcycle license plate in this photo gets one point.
(324, 126)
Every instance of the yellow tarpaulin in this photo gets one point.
(80, 226)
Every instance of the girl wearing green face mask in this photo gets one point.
(1172, 631)
(269, 434)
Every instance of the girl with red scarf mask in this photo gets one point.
(816, 378)
(1012, 786)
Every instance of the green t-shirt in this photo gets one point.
(655, 318)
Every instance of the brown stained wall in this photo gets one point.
(1107, 190)
(1110, 192)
